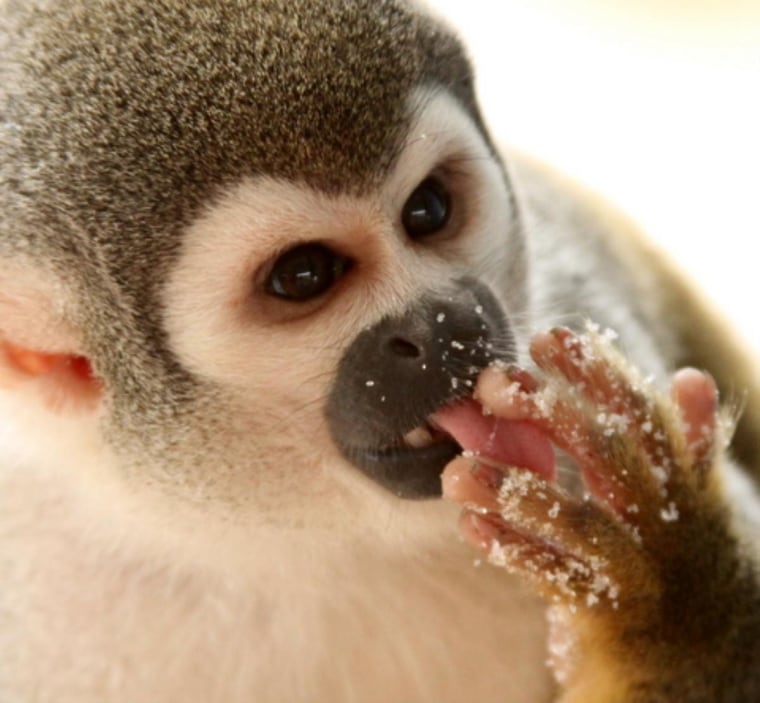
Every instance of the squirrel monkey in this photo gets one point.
(254, 255)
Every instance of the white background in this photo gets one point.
(654, 103)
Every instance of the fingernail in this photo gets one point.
(561, 333)
(522, 377)
(487, 476)
(487, 527)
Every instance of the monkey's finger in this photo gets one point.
(580, 527)
(590, 363)
(525, 500)
(596, 371)
(556, 414)
(555, 573)
(626, 457)
(622, 403)
(534, 506)
(569, 422)
(508, 393)
(696, 395)
(472, 483)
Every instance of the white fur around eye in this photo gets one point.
(221, 322)
(222, 327)
(444, 138)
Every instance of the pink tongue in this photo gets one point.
(511, 442)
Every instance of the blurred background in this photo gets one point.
(653, 103)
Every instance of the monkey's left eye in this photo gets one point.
(305, 272)
(427, 210)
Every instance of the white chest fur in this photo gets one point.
(96, 615)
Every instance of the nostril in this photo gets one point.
(402, 347)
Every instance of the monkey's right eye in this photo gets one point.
(305, 272)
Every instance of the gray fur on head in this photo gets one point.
(121, 118)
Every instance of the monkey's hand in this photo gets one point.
(654, 595)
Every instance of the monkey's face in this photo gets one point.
(341, 323)
(284, 244)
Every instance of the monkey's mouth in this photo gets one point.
(425, 436)
(396, 377)
(411, 466)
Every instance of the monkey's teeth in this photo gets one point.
(418, 438)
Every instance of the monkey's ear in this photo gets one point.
(39, 351)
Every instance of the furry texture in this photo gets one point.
(129, 117)
(196, 535)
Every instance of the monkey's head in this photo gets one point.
(276, 231)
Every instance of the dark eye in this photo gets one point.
(305, 272)
(427, 210)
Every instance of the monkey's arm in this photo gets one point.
(652, 579)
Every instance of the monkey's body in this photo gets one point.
(189, 526)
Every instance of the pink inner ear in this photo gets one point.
(66, 380)
(31, 363)
(81, 367)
